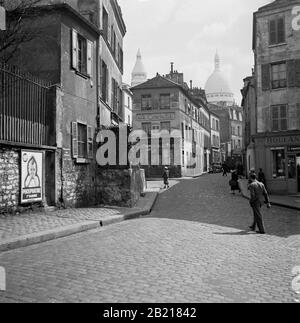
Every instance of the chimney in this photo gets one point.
(172, 68)
(191, 84)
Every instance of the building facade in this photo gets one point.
(231, 132)
(276, 45)
(163, 104)
(249, 122)
(60, 140)
(127, 104)
(215, 139)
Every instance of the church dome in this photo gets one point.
(139, 74)
(217, 88)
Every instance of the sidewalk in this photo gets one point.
(36, 227)
(291, 202)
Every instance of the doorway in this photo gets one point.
(298, 171)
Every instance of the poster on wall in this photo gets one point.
(32, 170)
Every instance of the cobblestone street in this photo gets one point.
(194, 247)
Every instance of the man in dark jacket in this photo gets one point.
(258, 195)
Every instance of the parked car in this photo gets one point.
(216, 168)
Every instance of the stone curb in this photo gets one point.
(292, 207)
(43, 236)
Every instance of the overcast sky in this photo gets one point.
(188, 33)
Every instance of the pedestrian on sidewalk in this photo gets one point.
(258, 195)
(166, 176)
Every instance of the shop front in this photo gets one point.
(279, 157)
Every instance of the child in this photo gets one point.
(166, 177)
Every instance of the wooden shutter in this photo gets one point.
(291, 73)
(74, 49)
(265, 77)
(266, 119)
(272, 31)
(280, 30)
(90, 142)
(297, 72)
(89, 58)
(292, 117)
(74, 139)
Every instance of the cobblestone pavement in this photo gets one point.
(193, 248)
(16, 226)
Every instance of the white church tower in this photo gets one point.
(139, 74)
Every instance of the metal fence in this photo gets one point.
(23, 107)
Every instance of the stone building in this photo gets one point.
(276, 45)
(164, 103)
(65, 53)
(127, 104)
(249, 122)
(215, 138)
(231, 132)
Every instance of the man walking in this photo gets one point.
(258, 194)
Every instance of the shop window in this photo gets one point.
(292, 169)
(279, 163)
(146, 126)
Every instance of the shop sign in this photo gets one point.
(288, 140)
(32, 179)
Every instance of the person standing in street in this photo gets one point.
(258, 195)
(234, 182)
(225, 169)
(261, 177)
(166, 176)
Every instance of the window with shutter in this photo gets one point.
(266, 77)
(90, 58)
(90, 142)
(279, 74)
(74, 49)
(74, 139)
(277, 31)
(279, 118)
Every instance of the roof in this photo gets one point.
(68, 9)
(278, 4)
(160, 82)
(156, 83)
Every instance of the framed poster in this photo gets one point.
(32, 176)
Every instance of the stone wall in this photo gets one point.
(9, 179)
(76, 181)
(120, 187)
